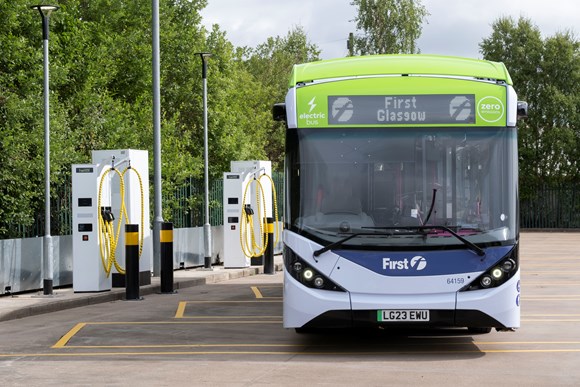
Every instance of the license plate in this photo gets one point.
(397, 315)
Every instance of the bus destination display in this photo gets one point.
(401, 109)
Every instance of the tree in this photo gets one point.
(546, 74)
(100, 58)
(270, 64)
(101, 81)
(388, 26)
(21, 130)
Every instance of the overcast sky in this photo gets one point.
(455, 27)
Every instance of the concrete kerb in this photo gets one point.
(67, 299)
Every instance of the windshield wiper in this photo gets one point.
(347, 238)
(432, 206)
(470, 245)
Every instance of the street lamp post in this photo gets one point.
(206, 226)
(45, 10)
(157, 198)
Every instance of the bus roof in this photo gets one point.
(399, 64)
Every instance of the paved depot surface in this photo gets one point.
(230, 333)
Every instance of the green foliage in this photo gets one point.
(100, 96)
(388, 26)
(270, 65)
(21, 135)
(546, 74)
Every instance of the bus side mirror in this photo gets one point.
(522, 111)
(279, 112)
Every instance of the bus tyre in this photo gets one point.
(479, 330)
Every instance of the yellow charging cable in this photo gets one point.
(277, 229)
(249, 243)
(250, 246)
(108, 237)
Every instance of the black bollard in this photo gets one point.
(269, 253)
(166, 239)
(132, 262)
(258, 260)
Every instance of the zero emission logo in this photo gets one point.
(490, 109)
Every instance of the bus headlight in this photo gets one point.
(318, 282)
(508, 265)
(307, 275)
(497, 275)
(486, 281)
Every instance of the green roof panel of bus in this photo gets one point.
(399, 64)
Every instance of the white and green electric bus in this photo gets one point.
(401, 194)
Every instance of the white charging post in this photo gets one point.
(235, 182)
(89, 275)
(88, 272)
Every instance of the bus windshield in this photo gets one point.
(355, 180)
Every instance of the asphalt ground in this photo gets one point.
(229, 333)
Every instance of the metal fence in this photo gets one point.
(551, 207)
(60, 221)
(543, 207)
(186, 204)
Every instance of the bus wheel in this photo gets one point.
(480, 330)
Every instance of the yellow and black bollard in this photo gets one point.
(132, 262)
(269, 253)
(166, 239)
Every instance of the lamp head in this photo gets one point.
(45, 9)
(203, 55)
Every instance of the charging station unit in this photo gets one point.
(235, 183)
(89, 275)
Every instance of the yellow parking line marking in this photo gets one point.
(191, 346)
(180, 322)
(215, 345)
(550, 299)
(180, 309)
(523, 342)
(228, 302)
(285, 353)
(549, 284)
(257, 292)
(554, 298)
(271, 286)
(231, 317)
(69, 335)
(527, 350)
(62, 343)
(551, 273)
(180, 313)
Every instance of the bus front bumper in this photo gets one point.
(312, 308)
